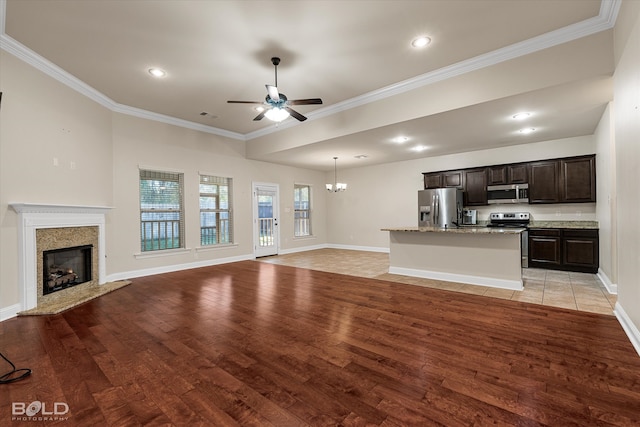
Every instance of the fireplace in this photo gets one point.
(66, 267)
(44, 228)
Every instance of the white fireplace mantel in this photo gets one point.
(34, 216)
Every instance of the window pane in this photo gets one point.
(161, 216)
(215, 210)
(302, 208)
(208, 202)
(208, 228)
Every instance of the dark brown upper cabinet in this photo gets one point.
(518, 173)
(497, 175)
(508, 174)
(544, 182)
(578, 179)
(446, 179)
(432, 180)
(475, 187)
(565, 180)
(569, 180)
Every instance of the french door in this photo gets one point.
(265, 219)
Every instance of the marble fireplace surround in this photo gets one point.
(33, 217)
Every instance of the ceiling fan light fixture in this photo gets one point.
(277, 114)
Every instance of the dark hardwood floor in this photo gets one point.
(255, 344)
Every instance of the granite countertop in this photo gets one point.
(461, 230)
(564, 224)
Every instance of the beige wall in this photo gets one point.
(143, 143)
(41, 121)
(98, 155)
(606, 193)
(385, 195)
(627, 148)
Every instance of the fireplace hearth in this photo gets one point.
(66, 267)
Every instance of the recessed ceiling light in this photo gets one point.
(259, 109)
(400, 139)
(521, 116)
(157, 72)
(361, 156)
(421, 41)
(527, 130)
(419, 148)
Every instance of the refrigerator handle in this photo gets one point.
(436, 208)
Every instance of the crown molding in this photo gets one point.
(604, 21)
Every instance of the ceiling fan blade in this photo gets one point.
(259, 116)
(245, 102)
(309, 101)
(273, 93)
(295, 114)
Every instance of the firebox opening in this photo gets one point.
(66, 267)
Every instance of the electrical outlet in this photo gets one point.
(55, 161)
(558, 213)
(72, 164)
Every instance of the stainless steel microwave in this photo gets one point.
(511, 193)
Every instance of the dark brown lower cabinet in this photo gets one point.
(544, 248)
(564, 249)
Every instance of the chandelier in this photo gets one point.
(336, 186)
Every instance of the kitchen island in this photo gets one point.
(474, 255)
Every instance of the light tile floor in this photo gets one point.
(576, 291)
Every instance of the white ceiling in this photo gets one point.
(488, 60)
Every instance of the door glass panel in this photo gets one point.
(265, 220)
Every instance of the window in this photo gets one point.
(302, 208)
(161, 210)
(216, 224)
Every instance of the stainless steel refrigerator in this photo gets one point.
(440, 207)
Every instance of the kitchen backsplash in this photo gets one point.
(554, 212)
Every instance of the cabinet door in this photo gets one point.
(453, 179)
(497, 175)
(544, 248)
(578, 179)
(475, 193)
(544, 182)
(432, 180)
(518, 174)
(580, 250)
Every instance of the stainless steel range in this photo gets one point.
(509, 219)
(514, 220)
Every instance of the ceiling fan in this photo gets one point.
(276, 104)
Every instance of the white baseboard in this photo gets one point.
(176, 267)
(612, 288)
(515, 285)
(302, 249)
(359, 248)
(629, 328)
(7, 313)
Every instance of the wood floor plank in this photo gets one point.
(258, 344)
